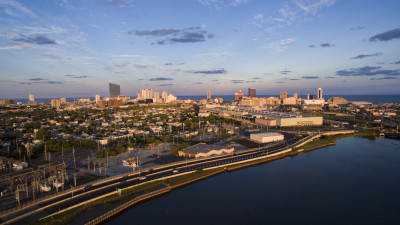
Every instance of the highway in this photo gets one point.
(70, 199)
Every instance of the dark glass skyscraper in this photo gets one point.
(252, 92)
(115, 90)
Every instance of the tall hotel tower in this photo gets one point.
(252, 92)
(114, 89)
(319, 93)
(31, 98)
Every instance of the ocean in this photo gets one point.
(228, 98)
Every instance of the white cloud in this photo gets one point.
(313, 6)
(17, 47)
(287, 14)
(222, 3)
(217, 55)
(43, 30)
(279, 46)
(297, 10)
(10, 12)
(17, 6)
(126, 56)
(55, 56)
(259, 17)
(8, 35)
(237, 2)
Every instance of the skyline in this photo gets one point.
(74, 49)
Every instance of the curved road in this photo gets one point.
(64, 201)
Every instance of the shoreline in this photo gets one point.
(174, 182)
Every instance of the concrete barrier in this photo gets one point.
(128, 204)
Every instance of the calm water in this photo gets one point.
(355, 182)
(367, 98)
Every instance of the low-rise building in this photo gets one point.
(266, 137)
(205, 150)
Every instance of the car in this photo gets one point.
(175, 171)
(87, 188)
(142, 178)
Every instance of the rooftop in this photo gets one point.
(204, 148)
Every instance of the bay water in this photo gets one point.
(356, 181)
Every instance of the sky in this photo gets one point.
(65, 48)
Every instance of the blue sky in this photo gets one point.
(65, 48)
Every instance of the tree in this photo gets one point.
(42, 134)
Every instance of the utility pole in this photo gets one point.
(73, 154)
(45, 152)
(33, 190)
(56, 182)
(17, 196)
(26, 189)
(62, 179)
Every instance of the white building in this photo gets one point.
(31, 98)
(320, 102)
(170, 98)
(164, 94)
(266, 137)
(146, 93)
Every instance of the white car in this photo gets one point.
(175, 171)
(142, 178)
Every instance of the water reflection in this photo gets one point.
(354, 182)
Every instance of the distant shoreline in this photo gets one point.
(368, 98)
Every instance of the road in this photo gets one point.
(70, 199)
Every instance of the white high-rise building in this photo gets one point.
(319, 94)
(157, 96)
(31, 98)
(97, 98)
(146, 93)
(164, 94)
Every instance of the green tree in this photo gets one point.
(42, 134)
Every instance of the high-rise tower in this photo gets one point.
(114, 89)
(283, 95)
(157, 96)
(208, 94)
(239, 95)
(320, 93)
(252, 92)
(31, 98)
(146, 93)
